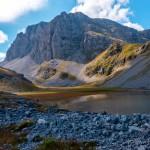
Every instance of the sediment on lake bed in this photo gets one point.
(35, 124)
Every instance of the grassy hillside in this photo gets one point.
(11, 81)
(116, 55)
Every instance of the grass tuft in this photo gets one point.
(11, 139)
(52, 144)
(24, 124)
(114, 56)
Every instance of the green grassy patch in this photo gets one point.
(114, 56)
(65, 75)
(52, 144)
(10, 138)
(42, 92)
(24, 124)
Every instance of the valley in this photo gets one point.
(76, 82)
(123, 102)
(73, 49)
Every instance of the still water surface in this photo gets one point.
(121, 102)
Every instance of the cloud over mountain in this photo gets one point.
(134, 25)
(3, 37)
(2, 56)
(117, 10)
(12, 9)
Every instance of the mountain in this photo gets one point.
(73, 37)
(11, 81)
(121, 65)
(73, 49)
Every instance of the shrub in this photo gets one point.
(52, 144)
(24, 124)
(65, 75)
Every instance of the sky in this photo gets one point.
(16, 15)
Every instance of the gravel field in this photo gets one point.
(110, 132)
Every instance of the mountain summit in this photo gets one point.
(72, 36)
(74, 49)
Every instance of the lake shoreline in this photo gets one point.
(109, 100)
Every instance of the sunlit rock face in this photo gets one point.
(73, 37)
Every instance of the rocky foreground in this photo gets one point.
(36, 123)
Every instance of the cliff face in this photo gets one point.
(73, 37)
(35, 40)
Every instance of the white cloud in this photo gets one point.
(12, 9)
(134, 25)
(117, 10)
(2, 56)
(3, 37)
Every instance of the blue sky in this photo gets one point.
(133, 13)
(141, 10)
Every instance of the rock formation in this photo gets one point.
(73, 36)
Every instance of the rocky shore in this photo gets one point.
(36, 122)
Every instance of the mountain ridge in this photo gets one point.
(59, 52)
(72, 36)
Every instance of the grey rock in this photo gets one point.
(67, 125)
(134, 128)
(41, 121)
(73, 37)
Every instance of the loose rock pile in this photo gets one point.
(109, 131)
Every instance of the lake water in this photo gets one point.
(121, 102)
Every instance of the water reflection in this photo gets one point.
(123, 103)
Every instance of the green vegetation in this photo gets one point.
(24, 124)
(13, 135)
(18, 85)
(129, 51)
(11, 138)
(11, 81)
(65, 93)
(6, 71)
(52, 144)
(42, 108)
(65, 90)
(65, 75)
(114, 56)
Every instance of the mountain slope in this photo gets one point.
(73, 41)
(25, 66)
(122, 65)
(59, 73)
(73, 37)
(116, 55)
(11, 81)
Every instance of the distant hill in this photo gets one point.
(13, 82)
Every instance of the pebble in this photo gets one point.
(41, 121)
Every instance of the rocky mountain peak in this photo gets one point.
(72, 36)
